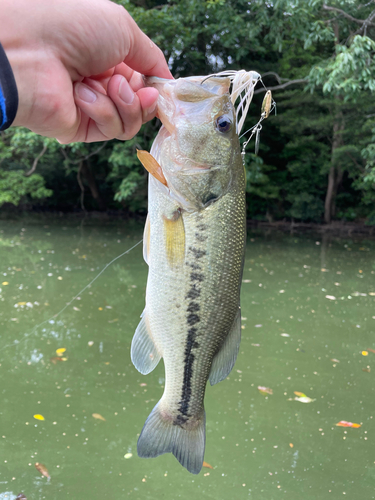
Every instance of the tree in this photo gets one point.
(316, 160)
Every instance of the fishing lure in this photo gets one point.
(243, 86)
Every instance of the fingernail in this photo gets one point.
(149, 111)
(85, 93)
(125, 92)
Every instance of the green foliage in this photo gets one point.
(15, 187)
(325, 122)
(350, 72)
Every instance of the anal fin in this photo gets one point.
(143, 351)
(224, 360)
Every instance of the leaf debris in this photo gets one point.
(344, 423)
(264, 390)
(42, 469)
(98, 416)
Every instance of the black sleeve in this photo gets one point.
(8, 92)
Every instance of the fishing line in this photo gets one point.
(26, 335)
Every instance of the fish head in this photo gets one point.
(198, 143)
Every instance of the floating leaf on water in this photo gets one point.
(55, 359)
(371, 350)
(330, 297)
(264, 390)
(285, 334)
(128, 455)
(372, 294)
(368, 369)
(334, 360)
(60, 351)
(42, 469)
(208, 466)
(364, 353)
(291, 445)
(304, 399)
(100, 308)
(21, 496)
(344, 423)
(98, 416)
(39, 417)
(300, 394)
(76, 308)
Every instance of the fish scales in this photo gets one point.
(194, 244)
(192, 309)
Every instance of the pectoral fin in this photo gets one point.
(146, 239)
(174, 237)
(224, 360)
(151, 165)
(143, 352)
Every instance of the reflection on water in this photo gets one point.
(308, 307)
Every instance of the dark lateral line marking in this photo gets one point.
(192, 319)
(193, 307)
(188, 373)
(196, 267)
(200, 237)
(197, 253)
(193, 293)
(197, 277)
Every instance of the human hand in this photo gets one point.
(78, 66)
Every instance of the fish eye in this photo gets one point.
(223, 123)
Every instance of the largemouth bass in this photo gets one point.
(194, 244)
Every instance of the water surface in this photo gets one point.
(308, 307)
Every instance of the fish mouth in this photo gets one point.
(175, 96)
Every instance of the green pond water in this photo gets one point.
(308, 307)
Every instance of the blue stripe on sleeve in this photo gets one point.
(3, 107)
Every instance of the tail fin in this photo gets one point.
(160, 436)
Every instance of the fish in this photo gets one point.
(194, 244)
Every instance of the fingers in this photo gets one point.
(132, 116)
(118, 114)
(142, 54)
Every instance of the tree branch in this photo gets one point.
(278, 77)
(281, 86)
(35, 163)
(83, 158)
(348, 16)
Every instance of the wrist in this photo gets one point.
(8, 92)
